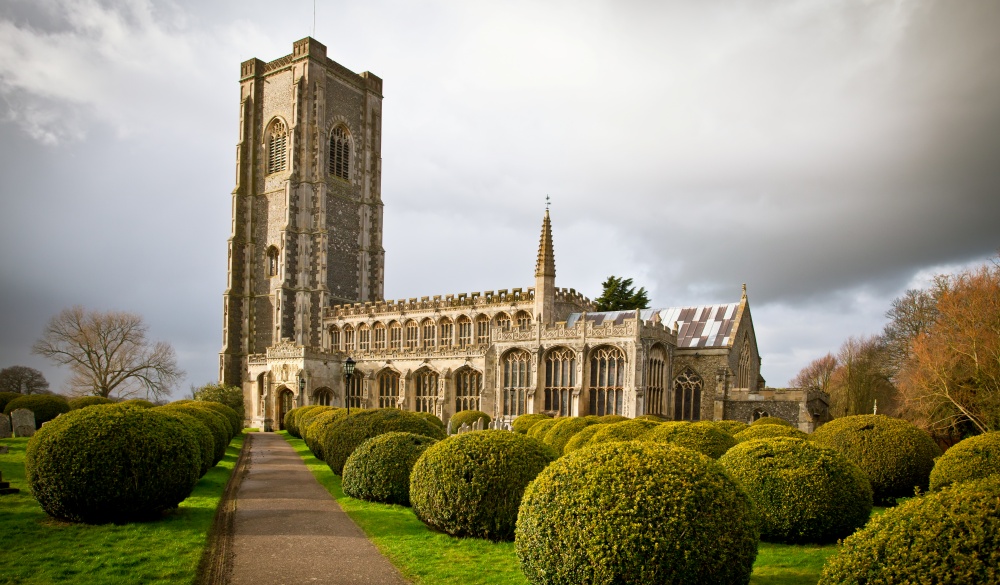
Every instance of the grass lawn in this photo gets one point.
(432, 558)
(35, 548)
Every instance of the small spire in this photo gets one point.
(546, 265)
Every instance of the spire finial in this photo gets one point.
(744, 289)
(548, 201)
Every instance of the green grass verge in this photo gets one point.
(428, 557)
(36, 549)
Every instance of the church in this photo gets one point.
(305, 294)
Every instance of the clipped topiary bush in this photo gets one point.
(6, 397)
(286, 421)
(137, 402)
(731, 426)
(768, 432)
(626, 430)
(704, 437)
(635, 512)
(227, 425)
(973, 458)
(232, 418)
(538, 430)
(220, 435)
(583, 436)
(612, 418)
(85, 401)
(318, 427)
(468, 417)
(112, 464)
(432, 418)
(771, 420)
(297, 413)
(306, 418)
(524, 422)
(896, 456)
(560, 433)
(950, 536)
(379, 469)
(45, 406)
(204, 436)
(346, 433)
(804, 493)
(471, 484)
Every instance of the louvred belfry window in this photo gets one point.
(340, 153)
(277, 151)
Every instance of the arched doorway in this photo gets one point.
(286, 401)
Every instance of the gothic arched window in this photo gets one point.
(523, 319)
(412, 331)
(687, 396)
(447, 330)
(388, 389)
(560, 379)
(334, 338)
(340, 153)
(395, 335)
(464, 331)
(502, 321)
(364, 337)
(468, 388)
(348, 338)
(277, 147)
(656, 370)
(482, 330)
(355, 390)
(272, 261)
(426, 382)
(427, 330)
(323, 397)
(607, 381)
(516, 381)
(743, 370)
(379, 334)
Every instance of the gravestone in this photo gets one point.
(449, 427)
(478, 425)
(23, 421)
(464, 428)
(5, 487)
(5, 429)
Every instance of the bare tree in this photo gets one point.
(23, 380)
(109, 353)
(863, 375)
(817, 374)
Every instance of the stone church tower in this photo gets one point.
(307, 207)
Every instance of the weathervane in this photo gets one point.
(548, 201)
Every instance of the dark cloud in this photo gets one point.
(823, 153)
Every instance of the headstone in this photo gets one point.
(464, 428)
(449, 427)
(5, 487)
(23, 421)
(4, 426)
(477, 425)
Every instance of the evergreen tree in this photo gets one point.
(620, 295)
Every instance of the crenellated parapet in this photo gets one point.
(502, 297)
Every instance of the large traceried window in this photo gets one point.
(464, 331)
(412, 333)
(560, 379)
(388, 389)
(272, 261)
(468, 388)
(426, 382)
(656, 371)
(364, 337)
(277, 151)
(744, 372)
(334, 338)
(355, 390)
(502, 321)
(323, 397)
(482, 330)
(348, 338)
(427, 330)
(447, 331)
(687, 396)
(523, 319)
(516, 381)
(607, 381)
(395, 335)
(340, 153)
(379, 334)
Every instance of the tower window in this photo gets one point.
(277, 151)
(340, 153)
(272, 261)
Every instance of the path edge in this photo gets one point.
(216, 564)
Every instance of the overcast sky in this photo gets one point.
(829, 154)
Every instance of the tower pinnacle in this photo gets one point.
(546, 265)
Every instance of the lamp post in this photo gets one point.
(348, 372)
(302, 387)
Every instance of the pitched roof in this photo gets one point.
(700, 326)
